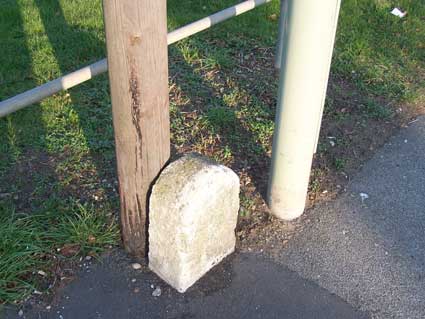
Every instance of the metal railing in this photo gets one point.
(75, 78)
(306, 38)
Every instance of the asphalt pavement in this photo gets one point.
(368, 246)
(243, 286)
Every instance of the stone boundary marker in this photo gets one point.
(193, 212)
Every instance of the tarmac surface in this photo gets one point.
(243, 286)
(368, 246)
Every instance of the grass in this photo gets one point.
(40, 242)
(57, 176)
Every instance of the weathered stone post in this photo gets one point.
(193, 213)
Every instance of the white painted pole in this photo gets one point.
(65, 82)
(307, 41)
(279, 45)
(75, 78)
(213, 19)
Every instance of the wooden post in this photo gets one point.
(136, 40)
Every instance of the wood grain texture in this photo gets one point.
(136, 37)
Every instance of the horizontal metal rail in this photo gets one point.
(75, 78)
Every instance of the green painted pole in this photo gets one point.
(307, 40)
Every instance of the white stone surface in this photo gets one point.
(192, 218)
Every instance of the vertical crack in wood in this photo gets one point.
(136, 105)
(136, 217)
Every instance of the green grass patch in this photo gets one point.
(31, 243)
(220, 118)
(377, 111)
(381, 53)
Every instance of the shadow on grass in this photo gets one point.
(91, 105)
(19, 180)
(222, 121)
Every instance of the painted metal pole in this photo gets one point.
(77, 77)
(279, 45)
(39, 93)
(308, 39)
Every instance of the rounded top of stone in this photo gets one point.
(188, 173)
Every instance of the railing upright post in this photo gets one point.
(136, 39)
(307, 40)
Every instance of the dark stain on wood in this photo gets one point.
(135, 105)
(123, 215)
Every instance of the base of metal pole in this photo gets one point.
(307, 39)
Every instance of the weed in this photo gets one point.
(340, 163)
(220, 118)
(377, 111)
